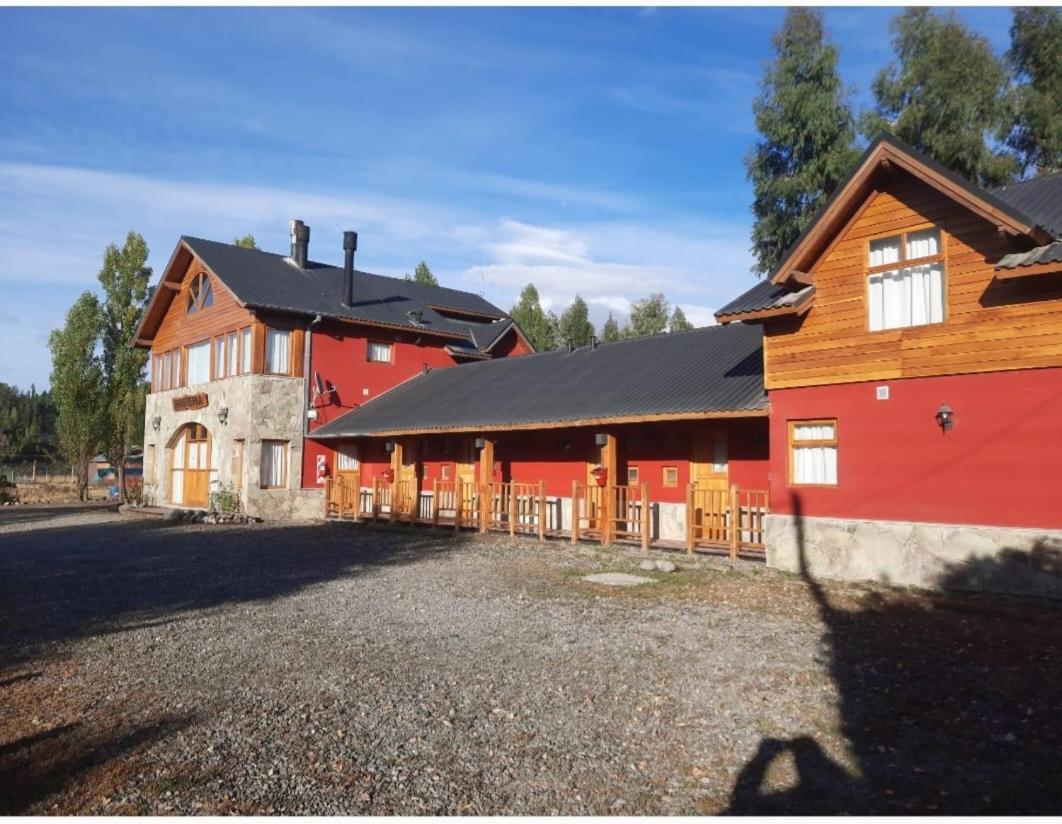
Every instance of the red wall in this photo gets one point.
(1000, 465)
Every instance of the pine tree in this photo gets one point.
(679, 322)
(610, 331)
(246, 242)
(574, 326)
(1035, 57)
(77, 386)
(807, 134)
(125, 278)
(946, 95)
(532, 320)
(648, 316)
(423, 275)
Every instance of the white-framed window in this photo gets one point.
(164, 372)
(219, 357)
(379, 352)
(347, 458)
(233, 361)
(278, 351)
(813, 453)
(175, 378)
(245, 351)
(198, 363)
(719, 456)
(274, 465)
(911, 295)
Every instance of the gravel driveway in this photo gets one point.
(150, 668)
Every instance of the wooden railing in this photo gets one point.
(608, 513)
(343, 497)
(514, 507)
(731, 518)
(456, 503)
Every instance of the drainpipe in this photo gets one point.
(306, 361)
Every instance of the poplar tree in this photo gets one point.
(532, 320)
(807, 134)
(246, 242)
(946, 94)
(575, 327)
(1035, 57)
(679, 322)
(648, 316)
(77, 386)
(423, 275)
(610, 331)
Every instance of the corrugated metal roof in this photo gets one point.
(265, 280)
(714, 369)
(764, 295)
(1051, 253)
(1040, 198)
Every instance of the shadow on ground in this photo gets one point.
(949, 704)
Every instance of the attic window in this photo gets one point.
(200, 296)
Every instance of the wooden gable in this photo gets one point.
(988, 325)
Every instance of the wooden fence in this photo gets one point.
(609, 513)
(731, 518)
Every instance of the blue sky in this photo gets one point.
(596, 151)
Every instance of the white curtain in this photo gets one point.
(175, 377)
(347, 458)
(278, 351)
(246, 367)
(273, 455)
(907, 297)
(380, 352)
(219, 357)
(884, 251)
(813, 432)
(177, 475)
(815, 464)
(199, 363)
(922, 244)
(232, 353)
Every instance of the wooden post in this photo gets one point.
(606, 510)
(356, 506)
(375, 499)
(435, 502)
(645, 517)
(513, 504)
(689, 519)
(735, 522)
(541, 510)
(575, 512)
(458, 500)
(328, 494)
(485, 502)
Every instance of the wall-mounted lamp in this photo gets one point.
(601, 439)
(389, 447)
(480, 443)
(156, 422)
(223, 414)
(945, 417)
(566, 444)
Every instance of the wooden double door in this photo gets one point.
(190, 467)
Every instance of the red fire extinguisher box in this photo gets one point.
(600, 474)
(388, 475)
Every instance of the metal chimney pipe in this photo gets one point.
(300, 243)
(350, 246)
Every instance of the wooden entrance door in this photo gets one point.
(465, 473)
(196, 466)
(710, 479)
(406, 490)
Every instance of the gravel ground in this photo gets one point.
(150, 668)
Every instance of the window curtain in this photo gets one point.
(379, 352)
(232, 353)
(278, 351)
(923, 244)
(347, 459)
(273, 463)
(815, 464)
(219, 357)
(246, 351)
(199, 363)
(907, 297)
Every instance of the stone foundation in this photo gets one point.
(932, 556)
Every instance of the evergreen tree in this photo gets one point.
(423, 275)
(532, 320)
(648, 316)
(610, 331)
(946, 95)
(247, 242)
(1035, 57)
(807, 132)
(574, 326)
(77, 386)
(679, 322)
(125, 277)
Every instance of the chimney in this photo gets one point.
(350, 246)
(300, 243)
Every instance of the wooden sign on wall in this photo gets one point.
(188, 402)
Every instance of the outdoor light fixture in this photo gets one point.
(156, 422)
(223, 414)
(480, 443)
(601, 439)
(389, 446)
(566, 444)
(945, 417)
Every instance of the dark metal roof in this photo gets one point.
(264, 280)
(713, 369)
(1038, 197)
(1051, 253)
(764, 295)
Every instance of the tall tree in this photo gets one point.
(423, 275)
(247, 242)
(648, 316)
(125, 278)
(1035, 56)
(574, 326)
(77, 386)
(679, 322)
(946, 94)
(532, 320)
(610, 331)
(807, 136)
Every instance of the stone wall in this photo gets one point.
(260, 407)
(933, 556)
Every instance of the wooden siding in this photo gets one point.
(989, 325)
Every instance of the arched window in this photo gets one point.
(200, 296)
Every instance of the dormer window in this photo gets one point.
(905, 280)
(200, 296)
